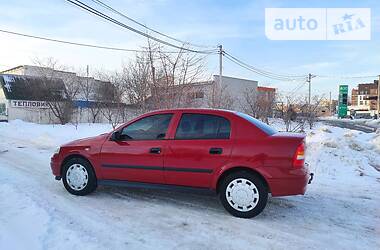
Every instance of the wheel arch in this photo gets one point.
(238, 169)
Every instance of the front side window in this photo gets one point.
(149, 128)
(201, 126)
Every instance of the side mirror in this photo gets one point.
(115, 136)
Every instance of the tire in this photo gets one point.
(243, 194)
(79, 177)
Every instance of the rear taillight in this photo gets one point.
(299, 156)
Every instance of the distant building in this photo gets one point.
(327, 107)
(66, 76)
(267, 93)
(21, 97)
(364, 99)
(201, 94)
(354, 97)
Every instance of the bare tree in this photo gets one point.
(297, 112)
(219, 97)
(60, 99)
(288, 113)
(136, 79)
(172, 76)
(258, 105)
(111, 98)
(311, 110)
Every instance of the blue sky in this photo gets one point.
(238, 25)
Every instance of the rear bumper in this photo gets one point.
(293, 182)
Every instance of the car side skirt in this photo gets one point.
(132, 184)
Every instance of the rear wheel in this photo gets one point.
(79, 177)
(243, 194)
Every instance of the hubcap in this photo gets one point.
(77, 177)
(242, 194)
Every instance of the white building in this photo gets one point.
(21, 98)
(201, 94)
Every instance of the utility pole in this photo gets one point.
(220, 65)
(309, 81)
(330, 103)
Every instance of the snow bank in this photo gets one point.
(44, 136)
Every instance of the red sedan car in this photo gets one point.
(231, 153)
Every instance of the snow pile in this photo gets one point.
(342, 203)
(44, 136)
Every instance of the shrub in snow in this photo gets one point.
(330, 144)
(349, 134)
(355, 146)
(326, 130)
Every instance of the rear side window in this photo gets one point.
(261, 125)
(201, 126)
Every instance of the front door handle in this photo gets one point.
(216, 151)
(155, 150)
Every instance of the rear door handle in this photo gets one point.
(216, 151)
(155, 150)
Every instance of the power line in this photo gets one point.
(264, 71)
(146, 27)
(108, 18)
(78, 44)
(345, 77)
(297, 88)
(261, 72)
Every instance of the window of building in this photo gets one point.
(199, 95)
(201, 126)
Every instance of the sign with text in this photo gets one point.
(28, 104)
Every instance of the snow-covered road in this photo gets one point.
(341, 209)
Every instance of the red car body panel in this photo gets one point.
(189, 162)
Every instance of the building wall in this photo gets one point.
(236, 87)
(45, 115)
(66, 76)
(366, 93)
(354, 97)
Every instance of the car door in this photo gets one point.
(201, 145)
(138, 154)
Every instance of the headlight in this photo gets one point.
(56, 151)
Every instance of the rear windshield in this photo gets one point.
(261, 125)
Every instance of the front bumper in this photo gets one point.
(55, 166)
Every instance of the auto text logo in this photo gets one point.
(318, 23)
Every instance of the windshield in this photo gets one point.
(261, 125)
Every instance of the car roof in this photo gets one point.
(195, 110)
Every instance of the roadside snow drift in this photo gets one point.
(341, 209)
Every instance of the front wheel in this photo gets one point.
(78, 177)
(243, 194)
